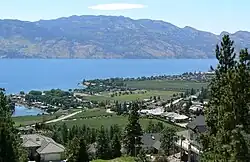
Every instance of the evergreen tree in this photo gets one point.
(10, 142)
(115, 146)
(168, 137)
(77, 151)
(192, 91)
(65, 133)
(150, 127)
(103, 147)
(83, 152)
(133, 131)
(93, 135)
(227, 114)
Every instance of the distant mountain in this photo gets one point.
(107, 37)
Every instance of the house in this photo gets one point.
(174, 117)
(197, 127)
(188, 139)
(195, 108)
(42, 148)
(151, 142)
(26, 130)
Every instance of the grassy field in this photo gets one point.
(176, 85)
(96, 122)
(28, 120)
(131, 97)
(91, 113)
(121, 159)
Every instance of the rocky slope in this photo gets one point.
(107, 37)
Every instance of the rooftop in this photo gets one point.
(42, 143)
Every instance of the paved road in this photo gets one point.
(63, 117)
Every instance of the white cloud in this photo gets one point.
(116, 6)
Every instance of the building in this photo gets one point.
(174, 117)
(42, 148)
(151, 142)
(26, 130)
(188, 140)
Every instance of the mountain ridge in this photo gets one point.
(108, 37)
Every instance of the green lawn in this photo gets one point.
(121, 159)
(176, 85)
(122, 121)
(131, 97)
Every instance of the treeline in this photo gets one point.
(108, 143)
(118, 81)
(54, 97)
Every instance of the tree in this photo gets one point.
(133, 131)
(188, 105)
(116, 146)
(65, 133)
(10, 142)
(150, 127)
(77, 151)
(227, 114)
(103, 147)
(168, 138)
(192, 91)
(142, 156)
(22, 93)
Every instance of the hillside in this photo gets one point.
(107, 37)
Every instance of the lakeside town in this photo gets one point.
(175, 106)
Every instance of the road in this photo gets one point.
(62, 117)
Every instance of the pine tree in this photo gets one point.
(65, 133)
(10, 142)
(227, 114)
(77, 151)
(133, 132)
(83, 152)
(116, 146)
(103, 147)
(150, 127)
(168, 137)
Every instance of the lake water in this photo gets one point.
(43, 74)
(24, 111)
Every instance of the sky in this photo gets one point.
(207, 15)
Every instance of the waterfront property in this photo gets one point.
(43, 149)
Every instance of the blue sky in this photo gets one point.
(208, 15)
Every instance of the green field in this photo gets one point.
(91, 113)
(175, 85)
(28, 120)
(131, 97)
(96, 122)
(121, 159)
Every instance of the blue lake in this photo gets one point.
(44, 74)
(24, 111)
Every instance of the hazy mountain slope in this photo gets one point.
(107, 37)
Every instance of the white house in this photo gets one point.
(175, 117)
(44, 148)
